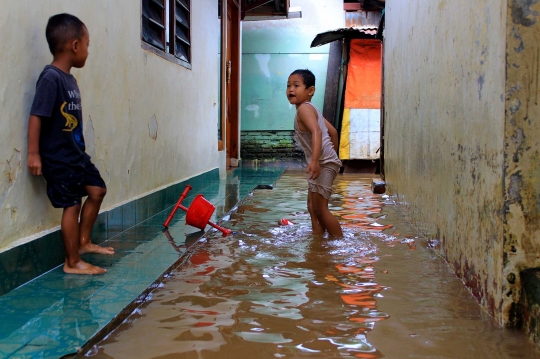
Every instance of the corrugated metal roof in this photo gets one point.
(350, 33)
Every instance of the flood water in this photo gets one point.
(271, 291)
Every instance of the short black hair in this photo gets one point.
(60, 29)
(307, 76)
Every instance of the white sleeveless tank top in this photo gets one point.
(328, 155)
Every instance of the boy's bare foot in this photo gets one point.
(94, 248)
(83, 268)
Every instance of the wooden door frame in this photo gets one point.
(381, 148)
(223, 77)
(233, 130)
(230, 125)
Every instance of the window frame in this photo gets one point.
(168, 31)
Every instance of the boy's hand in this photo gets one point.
(314, 169)
(34, 164)
(34, 158)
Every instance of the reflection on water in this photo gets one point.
(271, 291)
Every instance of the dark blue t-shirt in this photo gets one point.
(58, 103)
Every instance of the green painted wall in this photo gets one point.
(281, 39)
(271, 50)
(264, 79)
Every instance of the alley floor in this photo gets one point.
(271, 291)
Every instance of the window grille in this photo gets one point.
(180, 30)
(155, 23)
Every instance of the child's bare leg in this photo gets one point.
(89, 214)
(324, 216)
(315, 225)
(70, 234)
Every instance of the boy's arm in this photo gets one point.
(34, 159)
(332, 132)
(307, 117)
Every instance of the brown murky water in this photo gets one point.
(271, 291)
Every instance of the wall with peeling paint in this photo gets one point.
(445, 131)
(139, 109)
(272, 50)
(522, 146)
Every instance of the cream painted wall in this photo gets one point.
(125, 89)
(444, 131)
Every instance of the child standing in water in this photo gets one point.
(319, 141)
(56, 146)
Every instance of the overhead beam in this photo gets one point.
(352, 6)
(375, 3)
(364, 5)
(254, 5)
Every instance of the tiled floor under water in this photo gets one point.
(55, 314)
(270, 291)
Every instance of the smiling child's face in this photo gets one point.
(297, 93)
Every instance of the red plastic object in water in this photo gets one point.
(198, 214)
(285, 222)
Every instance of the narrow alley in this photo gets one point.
(429, 118)
(279, 292)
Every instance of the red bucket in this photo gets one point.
(199, 212)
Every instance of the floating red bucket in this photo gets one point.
(199, 213)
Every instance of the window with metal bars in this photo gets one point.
(166, 25)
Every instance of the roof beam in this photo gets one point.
(256, 4)
(364, 5)
(352, 6)
(375, 3)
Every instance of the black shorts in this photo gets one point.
(69, 190)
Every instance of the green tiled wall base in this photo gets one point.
(24, 263)
(56, 314)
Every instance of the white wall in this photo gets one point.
(123, 89)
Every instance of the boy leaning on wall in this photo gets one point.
(56, 146)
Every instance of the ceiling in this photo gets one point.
(366, 5)
(280, 9)
(265, 9)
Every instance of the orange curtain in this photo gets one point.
(364, 75)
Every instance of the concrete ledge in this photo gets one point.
(378, 186)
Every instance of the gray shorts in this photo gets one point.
(323, 183)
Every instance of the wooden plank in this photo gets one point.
(332, 82)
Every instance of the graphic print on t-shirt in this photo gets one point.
(71, 121)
